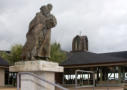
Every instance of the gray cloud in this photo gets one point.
(103, 21)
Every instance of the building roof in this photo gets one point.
(86, 58)
(3, 62)
(121, 54)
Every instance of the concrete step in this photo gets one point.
(8, 89)
(98, 88)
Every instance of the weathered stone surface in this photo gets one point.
(31, 83)
(44, 69)
(80, 43)
(37, 45)
(39, 65)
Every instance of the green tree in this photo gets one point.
(14, 55)
(57, 55)
(5, 56)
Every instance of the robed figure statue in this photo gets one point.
(37, 45)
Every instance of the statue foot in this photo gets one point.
(43, 58)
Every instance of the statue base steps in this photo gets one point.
(44, 69)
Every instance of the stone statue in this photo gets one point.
(37, 45)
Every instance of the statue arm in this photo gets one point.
(54, 21)
(51, 22)
(33, 23)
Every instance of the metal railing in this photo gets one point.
(36, 76)
(76, 74)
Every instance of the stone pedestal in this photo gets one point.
(41, 68)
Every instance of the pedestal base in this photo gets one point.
(29, 82)
(41, 68)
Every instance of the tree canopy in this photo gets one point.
(14, 55)
(57, 55)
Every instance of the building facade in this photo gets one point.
(110, 69)
(3, 69)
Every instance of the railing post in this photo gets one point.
(89, 72)
(18, 77)
(76, 79)
(93, 80)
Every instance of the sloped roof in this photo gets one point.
(3, 62)
(121, 54)
(86, 58)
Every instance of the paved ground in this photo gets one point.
(7, 88)
(97, 88)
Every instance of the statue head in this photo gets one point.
(46, 9)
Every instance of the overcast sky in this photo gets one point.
(103, 21)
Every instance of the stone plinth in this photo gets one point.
(41, 68)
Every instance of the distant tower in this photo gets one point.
(80, 43)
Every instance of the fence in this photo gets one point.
(36, 76)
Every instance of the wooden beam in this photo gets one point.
(123, 78)
(95, 65)
(119, 72)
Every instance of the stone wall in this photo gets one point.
(2, 76)
(80, 43)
